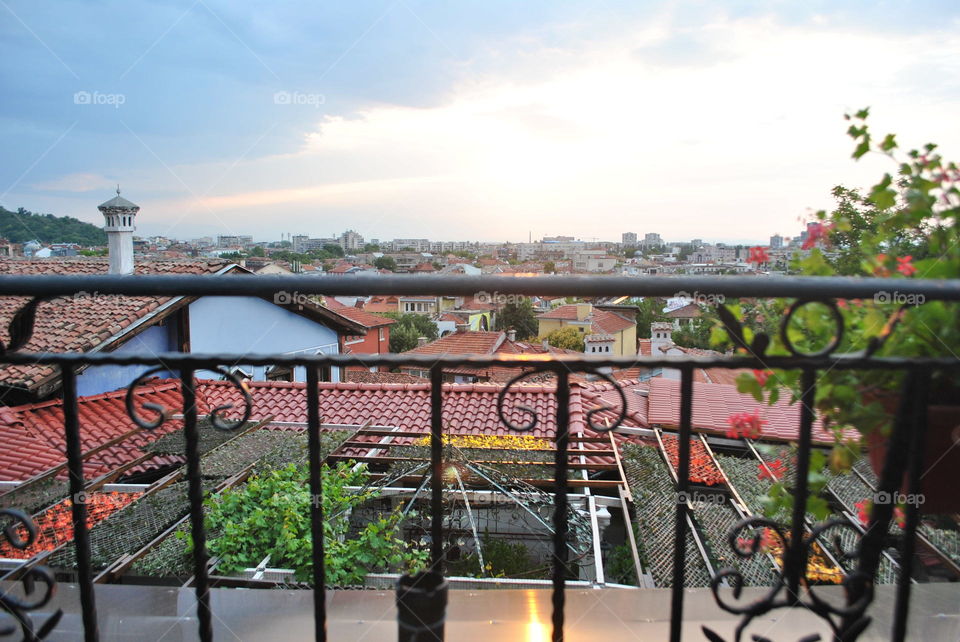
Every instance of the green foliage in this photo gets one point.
(385, 263)
(22, 226)
(270, 515)
(501, 558)
(371, 247)
(519, 316)
(408, 328)
(907, 227)
(620, 566)
(649, 310)
(549, 267)
(567, 337)
(695, 334)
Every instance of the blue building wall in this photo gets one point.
(236, 325)
(254, 326)
(153, 340)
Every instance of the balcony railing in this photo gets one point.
(847, 619)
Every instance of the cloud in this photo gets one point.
(82, 182)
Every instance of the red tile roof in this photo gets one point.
(714, 403)
(32, 435)
(689, 311)
(601, 321)
(358, 315)
(365, 376)
(470, 342)
(85, 320)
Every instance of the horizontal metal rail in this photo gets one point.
(592, 286)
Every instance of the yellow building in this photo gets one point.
(590, 320)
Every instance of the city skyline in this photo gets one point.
(489, 123)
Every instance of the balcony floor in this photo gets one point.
(130, 612)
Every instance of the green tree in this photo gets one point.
(333, 250)
(567, 337)
(257, 251)
(519, 316)
(371, 247)
(385, 263)
(649, 311)
(695, 334)
(408, 328)
(550, 267)
(22, 226)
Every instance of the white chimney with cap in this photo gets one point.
(119, 215)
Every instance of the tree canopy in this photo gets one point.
(568, 337)
(519, 316)
(22, 226)
(408, 328)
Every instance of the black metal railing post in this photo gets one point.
(795, 555)
(316, 503)
(560, 528)
(683, 485)
(918, 384)
(81, 535)
(195, 494)
(422, 598)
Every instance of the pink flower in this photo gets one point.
(816, 232)
(905, 266)
(758, 255)
(762, 376)
(864, 507)
(745, 424)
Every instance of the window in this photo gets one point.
(280, 373)
(382, 334)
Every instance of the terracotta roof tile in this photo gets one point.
(714, 403)
(32, 435)
(601, 321)
(86, 319)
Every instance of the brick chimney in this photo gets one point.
(421, 341)
(463, 327)
(511, 335)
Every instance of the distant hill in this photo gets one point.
(22, 226)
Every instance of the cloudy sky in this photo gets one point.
(463, 120)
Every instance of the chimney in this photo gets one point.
(511, 335)
(583, 311)
(421, 341)
(661, 334)
(463, 327)
(118, 214)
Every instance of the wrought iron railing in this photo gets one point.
(847, 620)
